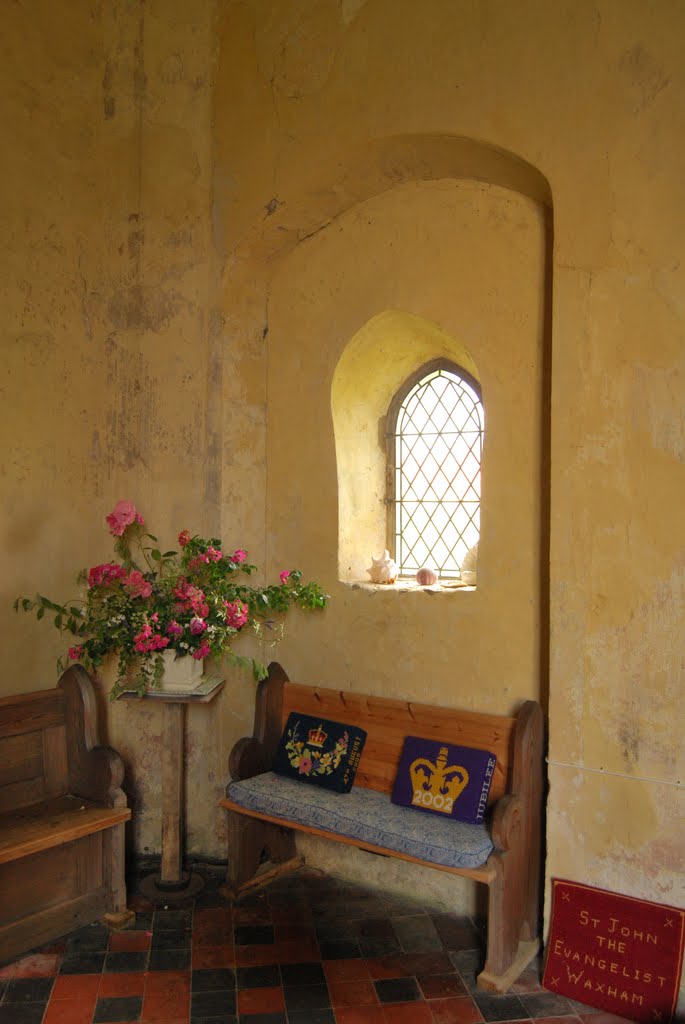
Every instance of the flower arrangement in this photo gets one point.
(193, 602)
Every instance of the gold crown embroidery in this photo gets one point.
(317, 737)
(438, 779)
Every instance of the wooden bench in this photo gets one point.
(62, 817)
(512, 869)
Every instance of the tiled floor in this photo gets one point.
(308, 950)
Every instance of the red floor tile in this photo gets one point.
(76, 986)
(210, 957)
(352, 993)
(296, 951)
(252, 956)
(441, 986)
(129, 942)
(408, 1013)
(162, 983)
(161, 1007)
(460, 1010)
(360, 1015)
(261, 1000)
(602, 1018)
(346, 970)
(69, 1011)
(125, 984)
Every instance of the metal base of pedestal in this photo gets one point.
(187, 886)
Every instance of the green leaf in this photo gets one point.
(156, 554)
(40, 613)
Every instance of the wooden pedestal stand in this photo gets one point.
(172, 883)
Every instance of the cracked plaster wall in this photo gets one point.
(166, 160)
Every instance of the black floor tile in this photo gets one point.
(118, 1009)
(22, 1013)
(494, 1007)
(253, 935)
(302, 974)
(322, 1016)
(83, 963)
(397, 990)
(299, 998)
(94, 938)
(340, 949)
(223, 1018)
(266, 976)
(172, 920)
(219, 978)
(546, 1004)
(123, 963)
(169, 960)
(172, 939)
(28, 990)
(212, 1004)
(264, 1018)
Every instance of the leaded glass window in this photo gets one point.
(434, 478)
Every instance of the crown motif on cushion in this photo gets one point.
(437, 777)
(317, 737)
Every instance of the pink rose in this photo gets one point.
(239, 556)
(197, 625)
(173, 629)
(213, 554)
(125, 513)
(183, 537)
(236, 614)
(284, 576)
(137, 585)
(75, 652)
(105, 574)
(203, 651)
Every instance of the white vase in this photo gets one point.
(180, 675)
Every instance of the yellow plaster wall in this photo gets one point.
(164, 168)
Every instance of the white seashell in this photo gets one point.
(469, 567)
(383, 569)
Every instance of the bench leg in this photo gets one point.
(511, 947)
(251, 842)
(118, 915)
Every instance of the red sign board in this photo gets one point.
(614, 952)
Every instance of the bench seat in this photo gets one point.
(50, 823)
(366, 816)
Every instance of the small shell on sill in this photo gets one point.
(383, 569)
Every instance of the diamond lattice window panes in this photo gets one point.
(435, 448)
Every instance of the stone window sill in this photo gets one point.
(409, 586)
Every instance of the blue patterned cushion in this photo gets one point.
(368, 816)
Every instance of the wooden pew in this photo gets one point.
(511, 871)
(62, 818)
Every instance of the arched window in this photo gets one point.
(435, 448)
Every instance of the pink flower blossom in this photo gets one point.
(137, 585)
(173, 629)
(197, 625)
(236, 614)
(239, 556)
(203, 651)
(146, 640)
(154, 617)
(125, 513)
(197, 562)
(283, 576)
(75, 652)
(183, 537)
(305, 766)
(190, 599)
(213, 555)
(105, 574)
